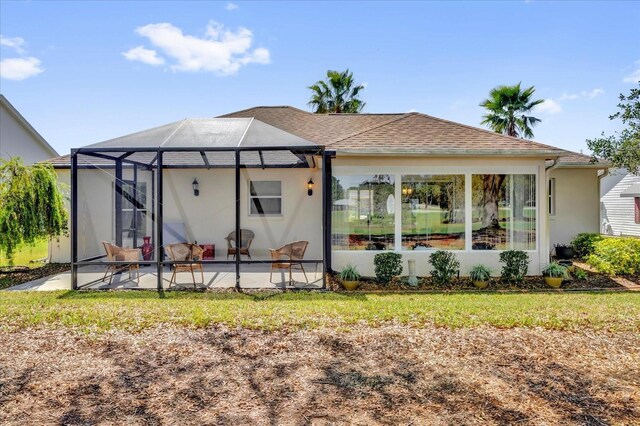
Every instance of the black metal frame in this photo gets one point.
(156, 165)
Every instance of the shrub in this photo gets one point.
(445, 266)
(349, 273)
(480, 273)
(387, 266)
(516, 264)
(616, 256)
(580, 274)
(583, 243)
(555, 270)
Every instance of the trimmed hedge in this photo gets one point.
(616, 256)
(584, 243)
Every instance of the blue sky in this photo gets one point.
(82, 72)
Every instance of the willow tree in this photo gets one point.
(337, 94)
(31, 205)
(508, 111)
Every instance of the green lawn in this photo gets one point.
(26, 254)
(100, 311)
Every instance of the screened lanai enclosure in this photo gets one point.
(205, 203)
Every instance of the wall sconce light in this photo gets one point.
(310, 187)
(196, 191)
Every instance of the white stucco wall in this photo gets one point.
(207, 218)
(577, 201)
(17, 141)
(397, 166)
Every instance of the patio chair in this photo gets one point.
(119, 254)
(246, 237)
(293, 251)
(181, 252)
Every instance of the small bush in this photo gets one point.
(516, 265)
(445, 266)
(387, 266)
(580, 274)
(583, 243)
(616, 256)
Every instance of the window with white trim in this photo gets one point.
(265, 198)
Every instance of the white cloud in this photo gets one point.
(20, 68)
(634, 77)
(13, 43)
(549, 106)
(231, 6)
(583, 94)
(220, 50)
(146, 56)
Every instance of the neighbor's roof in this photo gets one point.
(26, 125)
(394, 134)
(632, 191)
(201, 133)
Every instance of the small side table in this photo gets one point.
(209, 251)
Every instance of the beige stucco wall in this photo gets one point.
(16, 141)
(577, 201)
(207, 218)
(411, 165)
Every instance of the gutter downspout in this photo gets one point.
(547, 172)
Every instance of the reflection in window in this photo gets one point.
(363, 216)
(433, 212)
(504, 212)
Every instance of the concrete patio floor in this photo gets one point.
(215, 277)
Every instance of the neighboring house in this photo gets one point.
(19, 139)
(620, 203)
(406, 182)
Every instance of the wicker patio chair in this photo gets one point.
(246, 237)
(185, 252)
(119, 254)
(291, 252)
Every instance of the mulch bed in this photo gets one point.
(10, 276)
(366, 376)
(593, 280)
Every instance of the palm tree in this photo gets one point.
(337, 94)
(508, 108)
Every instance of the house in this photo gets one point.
(19, 139)
(352, 185)
(620, 203)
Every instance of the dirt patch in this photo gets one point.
(10, 276)
(390, 375)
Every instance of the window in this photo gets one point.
(551, 194)
(265, 198)
(433, 212)
(504, 212)
(363, 214)
(637, 209)
(134, 211)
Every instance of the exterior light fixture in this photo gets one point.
(196, 191)
(310, 187)
(407, 190)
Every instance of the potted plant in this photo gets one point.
(349, 277)
(564, 251)
(480, 275)
(554, 274)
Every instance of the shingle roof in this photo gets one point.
(403, 133)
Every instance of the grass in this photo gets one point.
(25, 254)
(136, 311)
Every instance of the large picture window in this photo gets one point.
(433, 212)
(265, 198)
(504, 212)
(363, 213)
